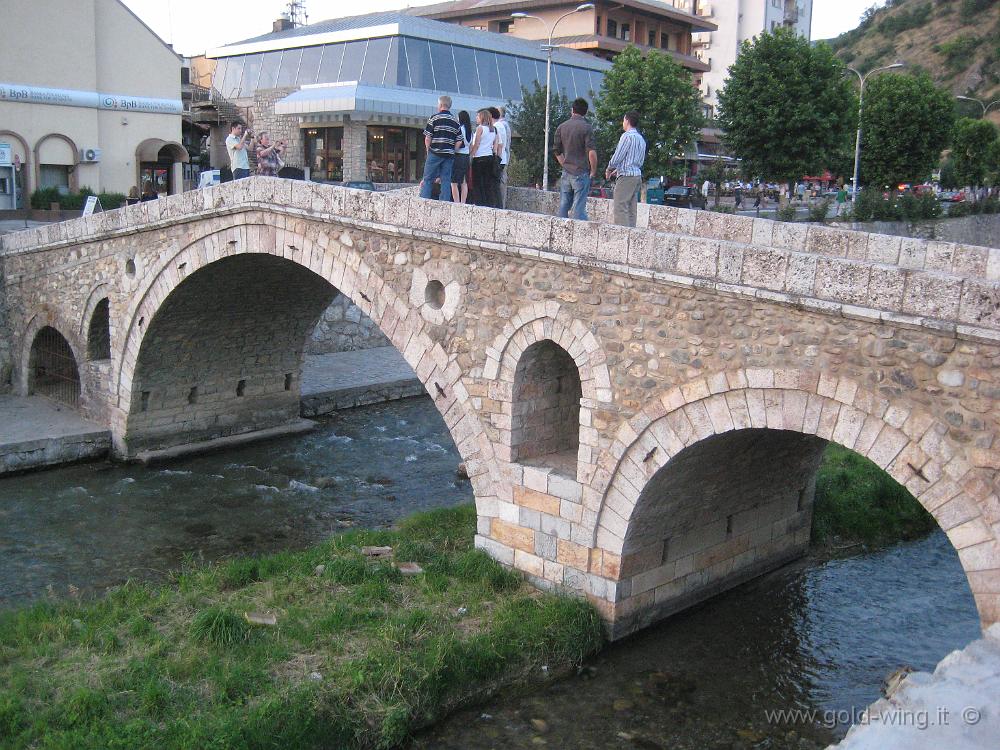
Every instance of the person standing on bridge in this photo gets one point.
(442, 135)
(237, 144)
(504, 135)
(626, 167)
(577, 155)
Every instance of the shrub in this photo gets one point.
(43, 197)
(220, 627)
(786, 212)
(819, 210)
(957, 210)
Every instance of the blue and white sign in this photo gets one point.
(10, 92)
(6, 154)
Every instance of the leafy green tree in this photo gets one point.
(906, 123)
(971, 145)
(527, 118)
(669, 106)
(787, 109)
(993, 160)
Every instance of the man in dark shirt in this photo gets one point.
(441, 136)
(575, 151)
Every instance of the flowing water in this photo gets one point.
(817, 636)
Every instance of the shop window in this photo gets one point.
(652, 38)
(325, 153)
(393, 154)
(612, 28)
(54, 176)
(626, 34)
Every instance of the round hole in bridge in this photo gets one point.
(130, 267)
(434, 294)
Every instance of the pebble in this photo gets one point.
(319, 570)
(315, 676)
(540, 725)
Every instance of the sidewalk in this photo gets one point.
(36, 432)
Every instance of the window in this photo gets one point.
(269, 70)
(354, 60)
(375, 61)
(251, 72)
(234, 74)
(444, 67)
(612, 28)
(504, 27)
(597, 26)
(468, 73)
(510, 80)
(489, 78)
(329, 69)
(289, 69)
(309, 67)
(392, 154)
(325, 153)
(652, 38)
(418, 54)
(626, 32)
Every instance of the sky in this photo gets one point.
(194, 26)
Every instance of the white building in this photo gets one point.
(739, 20)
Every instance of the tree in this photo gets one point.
(787, 109)
(906, 124)
(971, 144)
(669, 106)
(527, 119)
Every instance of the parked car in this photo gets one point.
(209, 177)
(952, 196)
(682, 196)
(360, 184)
(602, 190)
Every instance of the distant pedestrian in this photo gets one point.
(504, 134)
(485, 161)
(441, 138)
(133, 196)
(841, 200)
(800, 190)
(148, 194)
(460, 169)
(575, 151)
(626, 167)
(706, 189)
(738, 195)
(237, 143)
(758, 199)
(269, 161)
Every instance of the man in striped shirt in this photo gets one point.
(626, 165)
(441, 138)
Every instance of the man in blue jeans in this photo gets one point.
(441, 137)
(575, 151)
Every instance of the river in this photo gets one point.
(818, 635)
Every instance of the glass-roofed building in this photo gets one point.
(351, 95)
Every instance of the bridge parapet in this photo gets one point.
(904, 282)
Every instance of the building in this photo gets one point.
(603, 31)
(89, 96)
(351, 95)
(738, 21)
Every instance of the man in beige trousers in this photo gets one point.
(626, 165)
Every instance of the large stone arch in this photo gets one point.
(910, 444)
(533, 324)
(337, 260)
(46, 317)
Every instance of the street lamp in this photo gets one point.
(986, 107)
(548, 76)
(861, 99)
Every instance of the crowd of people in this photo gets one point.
(457, 153)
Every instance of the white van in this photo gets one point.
(209, 177)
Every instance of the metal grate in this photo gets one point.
(53, 371)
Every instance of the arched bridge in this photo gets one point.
(641, 411)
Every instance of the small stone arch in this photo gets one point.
(26, 166)
(540, 327)
(52, 368)
(99, 331)
(908, 443)
(73, 176)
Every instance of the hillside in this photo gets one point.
(956, 41)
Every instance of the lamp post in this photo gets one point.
(548, 76)
(986, 107)
(857, 142)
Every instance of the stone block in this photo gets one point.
(884, 248)
(912, 253)
(573, 555)
(826, 241)
(885, 288)
(536, 500)
(612, 244)
(790, 236)
(842, 280)
(969, 260)
(730, 262)
(697, 257)
(800, 276)
(764, 268)
(980, 304)
(562, 236)
(719, 226)
(931, 295)
(663, 218)
(513, 535)
(533, 230)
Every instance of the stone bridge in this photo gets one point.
(641, 411)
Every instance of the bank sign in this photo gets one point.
(11, 92)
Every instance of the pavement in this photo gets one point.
(37, 432)
(19, 225)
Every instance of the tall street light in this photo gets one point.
(548, 76)
(861, 99)
(986, 107)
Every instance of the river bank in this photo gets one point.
(318, 648)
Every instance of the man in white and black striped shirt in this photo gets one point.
(626, 164)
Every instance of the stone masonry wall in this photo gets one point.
(344, 328)
(279, 127)
(695, 325)
(6, 339)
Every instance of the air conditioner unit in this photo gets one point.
(90, 154)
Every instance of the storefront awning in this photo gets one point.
(362, 101)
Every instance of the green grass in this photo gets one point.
(178, 666)
(856, 501)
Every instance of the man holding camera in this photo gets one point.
(269, 161)
(236, 144)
